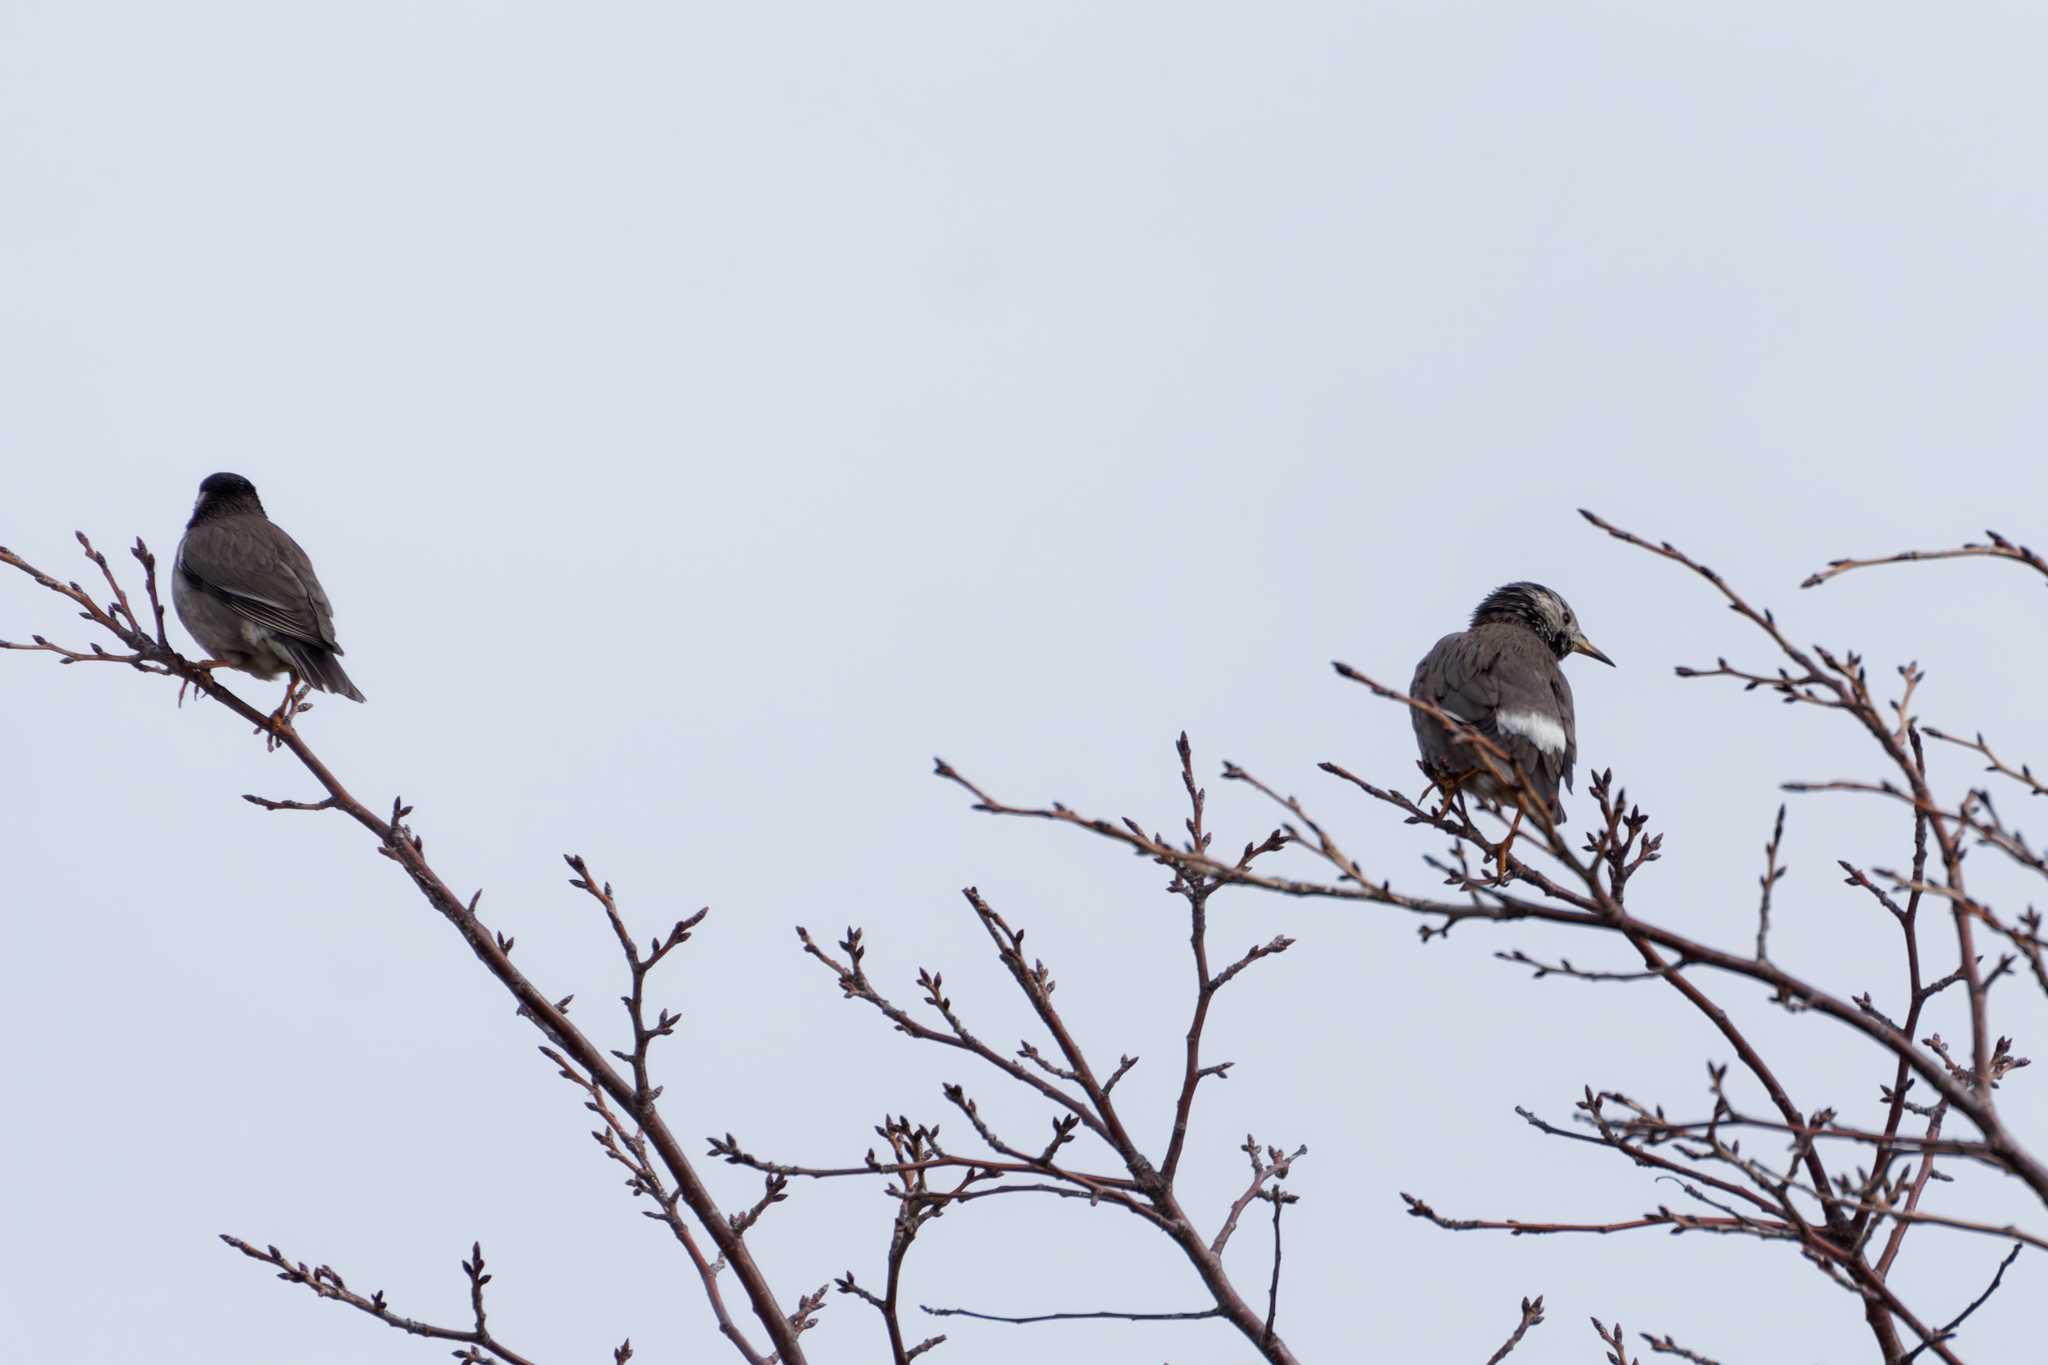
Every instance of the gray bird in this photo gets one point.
(248, 593)
(1502, 678)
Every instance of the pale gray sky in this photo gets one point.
(702, 415)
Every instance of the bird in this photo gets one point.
(1502, 678)
(249, 596)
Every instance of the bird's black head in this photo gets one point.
(1539, 609)
(225, 495)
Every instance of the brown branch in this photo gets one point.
(1275, 1166)
(1564, 907)
(1587, 890)
(1661, 1218)
(1919, 1187)
(1532, 1314)
(916, 1204)
(724, 1149)
(1964, 1147)
(2023, 775)
(1599, 911)
(1104, 1314)
(397, 841)
(1280, 1202)
(324, 1281)
(855, 985)
(1064, 1074)
(1999, 548)
(1589, 894)
(1617, 1354)
(2003, 1231)
(1563, 967)
(1772, 874)
(1948, 1330)
(1665, 1346)
(1908, 918)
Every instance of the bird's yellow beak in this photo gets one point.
(1581, 645)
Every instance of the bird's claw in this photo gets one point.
(205, 666)
(1500, 853)
(1446, 788)
(279, 722)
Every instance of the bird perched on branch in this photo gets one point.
(1502, 678)
(249, 596)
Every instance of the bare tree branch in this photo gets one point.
(397, 841)
(1532, 1314)
(1948, 1330)
(1665, 1346)
(480, 1345)
(1103, 1314)
(1999, 548)
(1764, 1163)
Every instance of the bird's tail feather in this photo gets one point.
(319, 667)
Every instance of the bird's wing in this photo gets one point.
(1561, 686)
(1533, 717)
(259, 571)
(1455, 677)
(1485, 680)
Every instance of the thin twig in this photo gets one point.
(1999, 548)
(1109, 1314)
(1532, 1314)
(327, 1283)
(1949, 1329)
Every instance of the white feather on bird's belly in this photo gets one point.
(1545, 732)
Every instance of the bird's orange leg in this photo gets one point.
(1501, 853)
(280, 720)
(1445, 785)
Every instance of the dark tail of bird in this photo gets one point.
(319, 667)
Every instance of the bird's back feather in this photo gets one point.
(1503, 681)
(247, 563)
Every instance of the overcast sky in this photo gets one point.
(701, 416)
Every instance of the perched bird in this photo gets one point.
(1502, 678)
(248, 593)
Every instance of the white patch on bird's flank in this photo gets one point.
(1540, 730)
